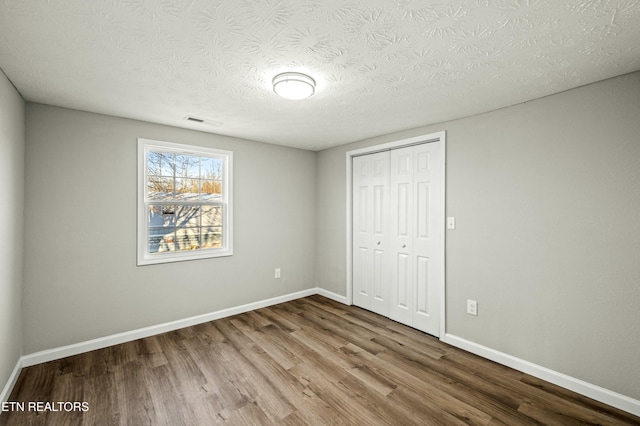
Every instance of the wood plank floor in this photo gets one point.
(309, 361)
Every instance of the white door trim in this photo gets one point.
(430, 137)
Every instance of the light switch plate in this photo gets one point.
(472, 307)
(451, 222)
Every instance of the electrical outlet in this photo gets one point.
(277, 275)
(472, 307)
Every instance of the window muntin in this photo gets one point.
(184, 209)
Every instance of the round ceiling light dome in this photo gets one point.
(294, 85)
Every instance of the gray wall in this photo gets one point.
(81, 278)
(12, 149)
(546, 197)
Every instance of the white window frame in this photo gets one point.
(226, 202)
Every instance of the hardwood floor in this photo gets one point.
(309, 361)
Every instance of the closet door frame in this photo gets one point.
(439, 137)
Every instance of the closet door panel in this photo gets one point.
(362, 173)
(401, 238)
(426, 237)
(371, 229)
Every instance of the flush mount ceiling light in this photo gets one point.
(294, 85)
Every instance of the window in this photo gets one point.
(184, 202)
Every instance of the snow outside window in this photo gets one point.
(184, 202)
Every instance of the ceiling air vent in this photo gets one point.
(199, 120)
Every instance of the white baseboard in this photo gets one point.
(128, 336)
(331, 295)
(603, 395)
(13, 378)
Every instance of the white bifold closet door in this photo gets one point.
(396, 235)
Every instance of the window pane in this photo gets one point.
(187, 216)
(187, 166)
(211, 168)
(211, 216)
(161, 216)
(186, 189)
(161, 228)
(161, 243)
(187, 239)
(167, 163)
(211, 190)
(211, 237)
(154, 243)
(153, 163)
(159, 188)
(181, 228)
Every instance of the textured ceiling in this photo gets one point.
(380, 66)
